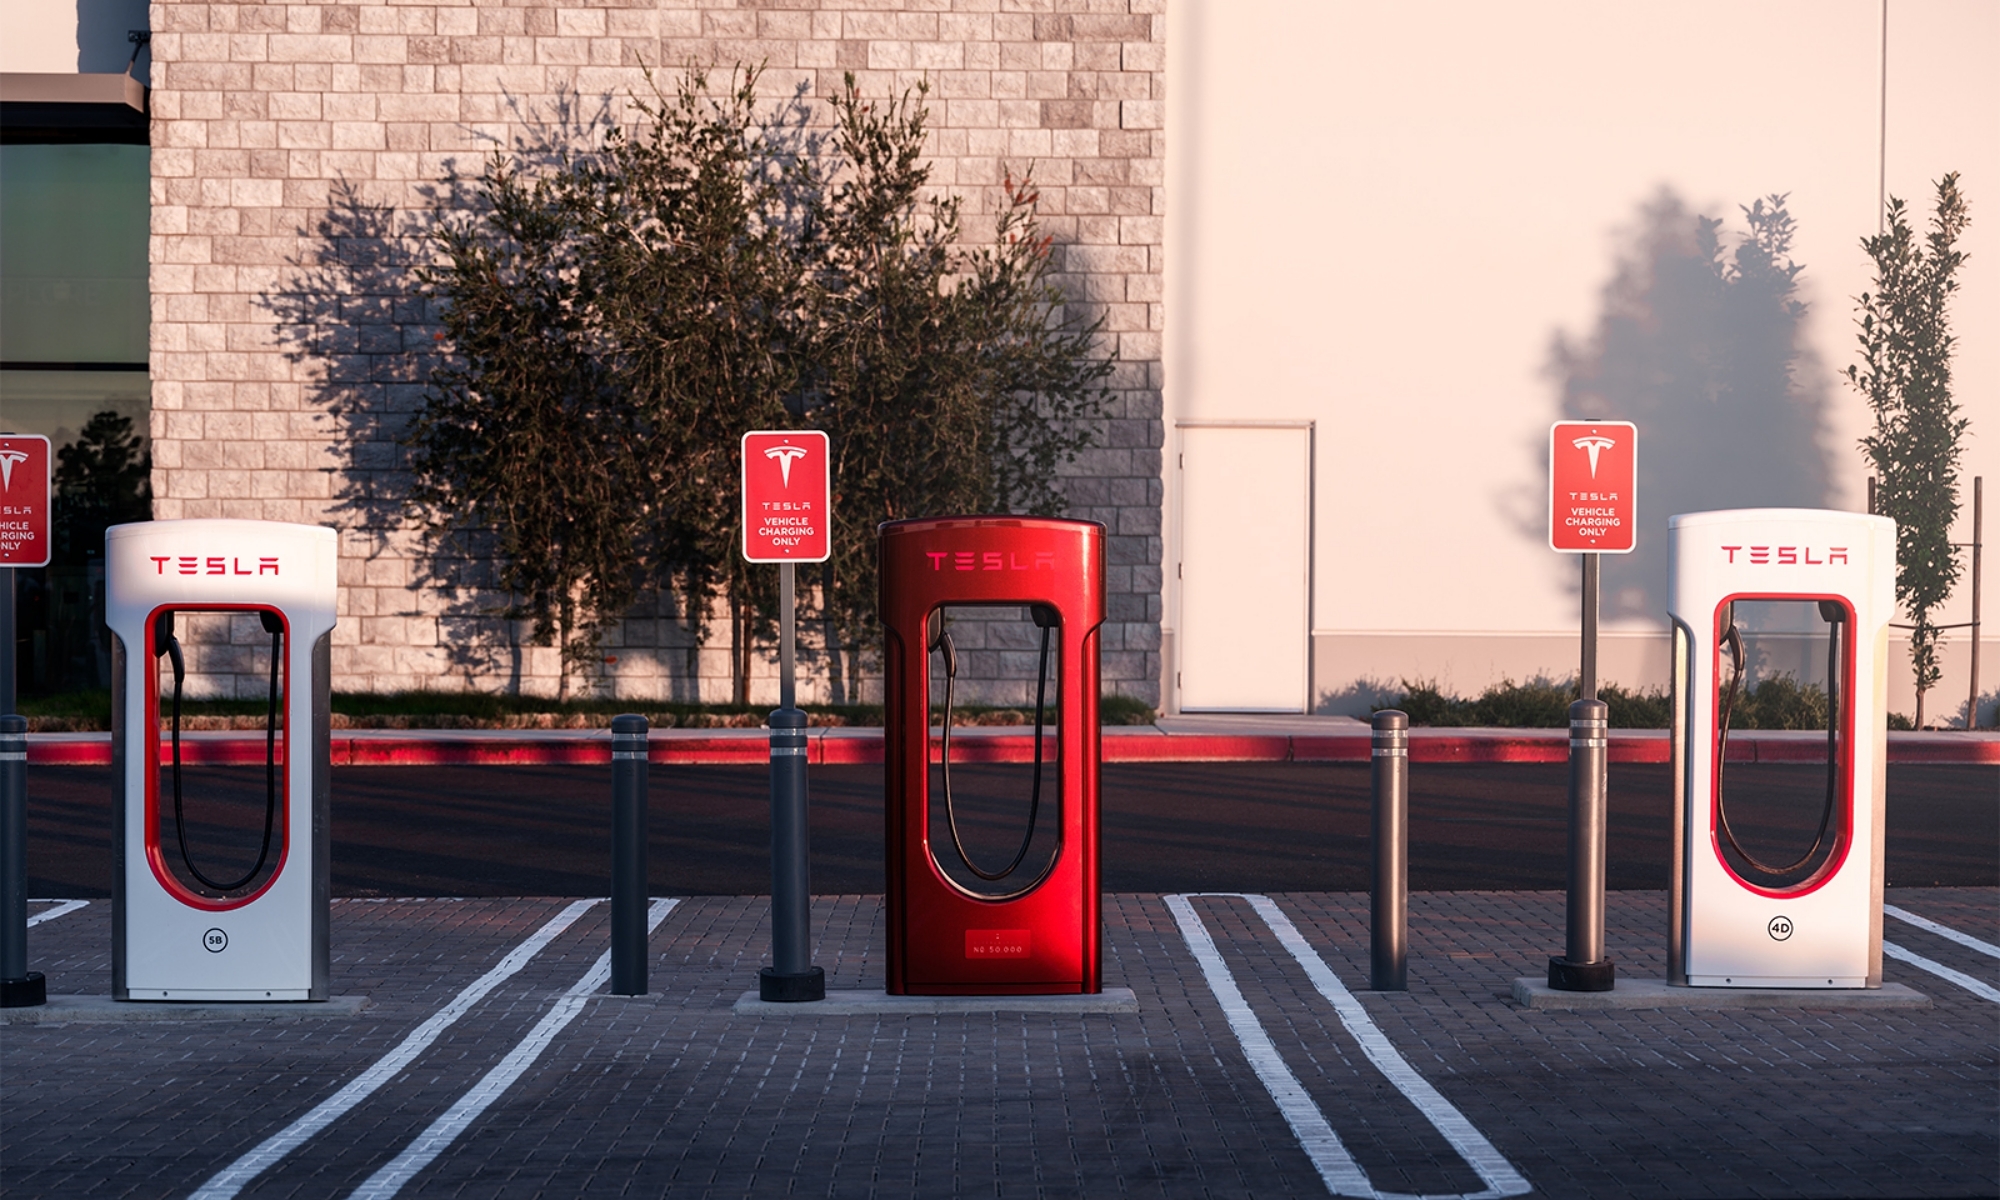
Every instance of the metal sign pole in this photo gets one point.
(788, 632)
(6, 639)
(1587, 682)
(1593, 511)
(1978, 537)
(787, 503)
(791, 977)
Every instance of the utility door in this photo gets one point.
(1245, 567)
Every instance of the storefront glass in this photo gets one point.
(73, 346)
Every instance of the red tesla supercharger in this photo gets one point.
(958, 926)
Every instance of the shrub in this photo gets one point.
(1780, 702)
(1539, 703)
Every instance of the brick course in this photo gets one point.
(294, 145)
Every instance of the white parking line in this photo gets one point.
(1982, 990)
(62, 909)
(232, 1179)
(433, 1141)
(1943, 931)
(1336, 1167)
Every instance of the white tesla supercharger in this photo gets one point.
(199, 914)
(1777, 870)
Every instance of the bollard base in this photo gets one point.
(1567, 976)
(25, 992)
(791, 989)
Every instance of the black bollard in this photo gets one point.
(791, 977)
(1583, 967)
(1389, 832)
(19, 987)
(628, 855)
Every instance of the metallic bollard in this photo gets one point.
(19, 987)
(791, 978)
(628, 855)
(1583, 968)
(1389, 895)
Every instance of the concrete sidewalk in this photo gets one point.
(1214, 738)
(1238, 1074)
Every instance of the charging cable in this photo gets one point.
(166, 643)
(1835, 616)
(1047, 618)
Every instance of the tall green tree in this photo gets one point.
(617, 315)
(103, 478)
(1905, 372)
(949, 378)
(699, 255)
(524, 442)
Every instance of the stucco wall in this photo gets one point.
(293, 144)
(1393, 220)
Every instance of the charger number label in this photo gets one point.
(996, 943)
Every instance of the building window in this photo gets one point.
(73, 348)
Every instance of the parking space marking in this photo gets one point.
(1336, 1167)
(1982, 990)
(233, 1178)
(433, 1141)
(1943, 931)
(62, 909)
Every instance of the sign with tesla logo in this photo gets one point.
(24, 500)
(1593, 478)
(787, 496)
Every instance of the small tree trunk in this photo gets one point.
(739, 650)
(836, 680)
(1919, 722)
(562, 653)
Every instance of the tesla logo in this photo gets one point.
(786, 456)
(1787, 556)
(990, 560)
(215, 941)
(7, 460)
(1593, 446)
(1780, 928)
(191, 564)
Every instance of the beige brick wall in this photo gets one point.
(292, 143)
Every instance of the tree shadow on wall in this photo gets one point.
(353, 317)
(350, 314)
(1701, 342)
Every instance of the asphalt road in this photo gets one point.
(1264, 827)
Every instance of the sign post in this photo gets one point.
(787, 510)
(25, 475)
(24, 542)
(1593, 477)
(1593, 473)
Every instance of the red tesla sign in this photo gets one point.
(24, 500)
(1593, 476)
(787, 496)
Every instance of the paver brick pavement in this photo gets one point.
(673, 1094)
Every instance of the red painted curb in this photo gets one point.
(1120, 745)
(1151, 746)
